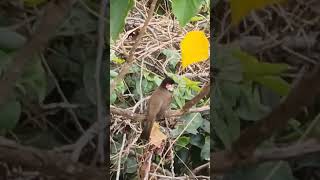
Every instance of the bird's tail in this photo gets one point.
(147, 127)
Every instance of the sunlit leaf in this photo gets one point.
(194, 48)
(252, 67)
(197, 18)
(182, 142)
(239, 9)
(275, 83)
(118, 60)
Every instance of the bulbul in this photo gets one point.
(159, 102)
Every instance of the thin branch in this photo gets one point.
(94, 129)
(285, 153)
(46, 162)
(199, 168)
(274, 154)
(64, 98)
(120, 156)
(130, 59)
(180, 177)
(205, 91)
(138, 117)
(147, 170)
(98, 74)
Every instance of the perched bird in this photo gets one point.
(159, 102)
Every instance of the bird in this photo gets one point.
(159, 102)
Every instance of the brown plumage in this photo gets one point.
(159, 102)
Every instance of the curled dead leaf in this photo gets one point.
(156, 136)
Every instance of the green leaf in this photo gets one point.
(233, 121)
(197, 121)
(197, 18)
(118, 13)
(205, 151)
(230, 92)
(131, 165)
(173, 57)
(113, 97)
(239, 9)
(206, 126)
(11, 39)
(261, 172)
(194, 85)
(34, 80)
(9, 115)
(178, 100)
(118, 60)
(221, 128)
(266, 74)
(134, 69)
(249, 107)
(197, 140)
(113, 73)
(253, 68)
(229, 68)
(4, 61)
(275, 83)
(184, 10)
(182, 142)
(120, 87)
(157, 80)
(79, 22)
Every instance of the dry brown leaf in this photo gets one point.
(156, 136)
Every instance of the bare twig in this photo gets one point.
(199, 168)
(64, 98)
(94, 129)
(147, 170)
(180, 177)
(120, 156)
(273, 154)
(98, 74)
(138, 117)
(289, 152)
(47, 162)
(205, 91)
(130, 59)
